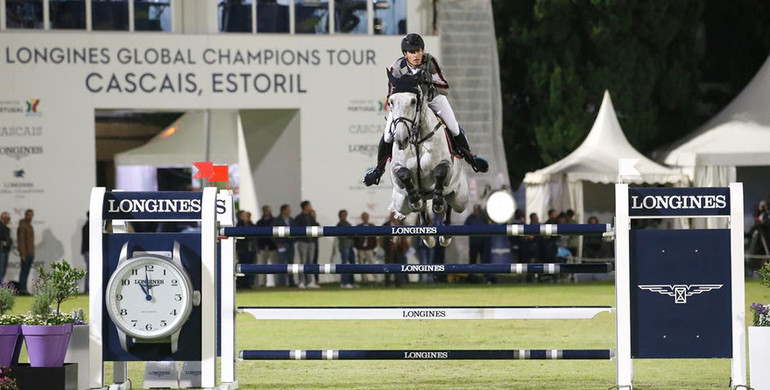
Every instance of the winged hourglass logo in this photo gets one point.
(680, 292)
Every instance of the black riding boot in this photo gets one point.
(477, 163)
(384, 152)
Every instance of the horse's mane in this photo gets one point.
(405, 83)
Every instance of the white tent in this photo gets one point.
(205, 135)
(185, 141)
(738, 136)
(561, 185)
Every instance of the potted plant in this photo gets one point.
(759, 338)
(10, 327)
(47, 331)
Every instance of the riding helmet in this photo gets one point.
(411, 42)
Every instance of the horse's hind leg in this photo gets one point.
(440, 173)
(404, 177)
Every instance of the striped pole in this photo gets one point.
(518, 268)
(408, 354)
(444, 230)
(425, 312)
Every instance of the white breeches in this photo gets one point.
(440, 105)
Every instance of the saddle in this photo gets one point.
(454, 149)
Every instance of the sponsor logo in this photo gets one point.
(422, 268)
(20, 131)
(33, 107)
(18, 173)
(366, 129)
(368, 150)
(678, 202)
(405, 230)
(154, 206)
(423, 313)
(363, 106)
(159, 373)
(150, 282)
(19, 152)
(680, 292)
(426, 355)
(11, 107)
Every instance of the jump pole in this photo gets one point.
(389, 231)
(516, 268)
(426, 312)
(435, 354)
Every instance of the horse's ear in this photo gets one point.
(390, 76)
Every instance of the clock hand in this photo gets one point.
(147, 295)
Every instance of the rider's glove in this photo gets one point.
(372, 176)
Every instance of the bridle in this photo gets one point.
(413, 124)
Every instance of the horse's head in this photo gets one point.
(405, 105)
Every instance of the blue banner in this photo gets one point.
(678, 201)
(152, 205)
(681, 291)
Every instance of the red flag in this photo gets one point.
(220, 174)
(205, 170)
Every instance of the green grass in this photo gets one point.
(463, 334)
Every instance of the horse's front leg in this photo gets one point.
(440, 174)
(404, 179)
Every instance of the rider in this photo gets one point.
(416, 61)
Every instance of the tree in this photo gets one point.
(558, 56)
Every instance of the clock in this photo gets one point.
(149, 298)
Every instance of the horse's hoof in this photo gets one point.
(439, 207)
(444, 241)
(429, 241)
(416, 206)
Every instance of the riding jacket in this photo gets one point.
(437, 84)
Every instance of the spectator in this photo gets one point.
(365, 248)
(395, 248)
(25, 235)
(246, 250)
(266, 249)
(476, 244)
(315, 251)
(552, 216)
(593, 244)
(5, 242)
(425, 256)
(84, 248)
(344, 245)
(305, 245)
(285, 246)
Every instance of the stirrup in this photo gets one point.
(479, 164)
(372, 176)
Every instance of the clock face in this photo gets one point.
(149, 297)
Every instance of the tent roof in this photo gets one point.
(183, 142)
(737, 136)
(596, 159)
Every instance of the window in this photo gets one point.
(152, 15)
(109, 15)
(311, 17)
(24, 14)
(67, 14)
(390, 17)
(272, 16)
(235, 16)
(350, 16)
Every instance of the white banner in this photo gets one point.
(53, 83)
